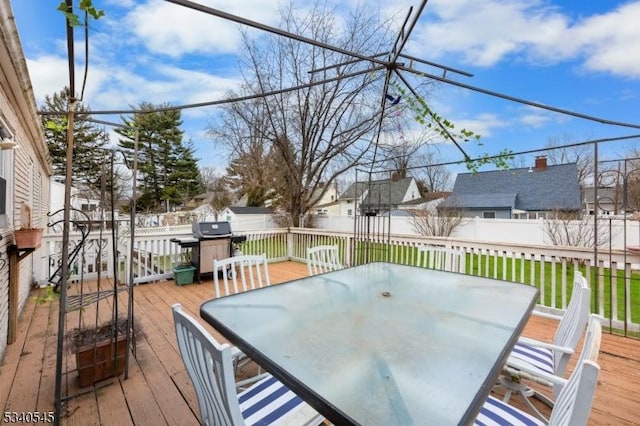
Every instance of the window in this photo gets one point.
(489, 215)
(3, 203)
(349, 212)
(90, 207)
(6, 165)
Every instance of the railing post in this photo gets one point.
(290, 244)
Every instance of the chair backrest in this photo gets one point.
(573, 322)
(240, 273)
(442, 258)
(211, 371)
(322, 259)
(573, 404)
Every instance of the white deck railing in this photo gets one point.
(550, 268)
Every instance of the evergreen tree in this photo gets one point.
(168, 173)
(90, 140)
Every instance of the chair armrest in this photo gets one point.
(518, 368)
(546, 345)
(546, 315)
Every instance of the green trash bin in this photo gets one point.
(183, 274)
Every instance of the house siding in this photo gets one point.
(29, 166)
(499, 213)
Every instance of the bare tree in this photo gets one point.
(626, 179)
(435, 176)
(574, 230)
(314, 135)
(432, 223)
(243, 128)
(404, 144)
(210, 177)
(632, 189)
(582, 155)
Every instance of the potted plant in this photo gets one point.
(101, 350)
(27, 237)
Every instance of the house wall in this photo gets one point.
(346, 205)
(248, 222)
(412, 192)
(29, 166)
(499, 214)
(330, 196)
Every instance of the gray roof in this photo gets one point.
(396, 213)
(429, 196)
(379, 192)
(554, 188)
(482, 201)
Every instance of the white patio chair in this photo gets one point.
(574, 401)
(441, 258)
(324, 258)
(210, 368)
(536, 360)
(239, 274)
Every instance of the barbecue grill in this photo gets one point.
(211, 240)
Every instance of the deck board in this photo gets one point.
(158, 390)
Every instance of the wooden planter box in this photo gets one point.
(98, 362)
(28, 238)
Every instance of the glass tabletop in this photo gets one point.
(381, 343)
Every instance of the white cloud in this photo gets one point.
(176, 30)
(484, 34)
(482, 124)
(534, 120)
(610, 41)
(48, 75)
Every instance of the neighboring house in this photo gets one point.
(234, 212)
(200, 200)
(247, 218)
(610, 200)
(378, 196)
(24, 173)
(328, 209)
(527, 193)
(328, 203)
(429, 201)
(85, 203)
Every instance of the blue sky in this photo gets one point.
(577, 55)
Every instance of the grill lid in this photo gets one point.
(203, 230)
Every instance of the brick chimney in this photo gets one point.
(541, 163)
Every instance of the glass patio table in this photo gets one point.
(381, 343)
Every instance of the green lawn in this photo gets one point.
(381, 252)
(276, 247)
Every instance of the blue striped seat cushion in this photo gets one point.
(267, 401)
(495, 412)
(539, 358)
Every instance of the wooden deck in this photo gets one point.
(158, 390)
